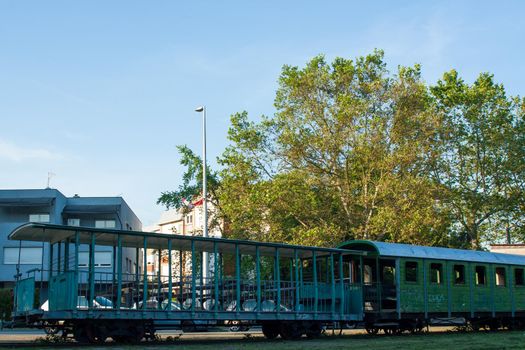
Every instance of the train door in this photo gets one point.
(387, 275)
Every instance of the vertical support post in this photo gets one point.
(145, 274)
(181, 278)
(237, 279)
(170, 280)
(361, 271)
(332, 275)
(215, 278)
(398, 287)
(278, 277)
(258, 276)
(66, 255)
(201, 277)
(448, 279)
(511, 284)
(50, 260)
(114, 266)
(159, 276)
(425, 287)
(316, 287)
(193, 267)
(119, 271)
(77, 245)
(341, 287)
(59, 256)
(296, 266)
(491, 279)
(137, 260)
(91, 295)
(379, 285)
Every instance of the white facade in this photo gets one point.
(186, 222)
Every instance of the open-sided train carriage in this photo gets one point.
(289, 290)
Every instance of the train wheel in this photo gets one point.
(137, 333)
(290, 330)
(79, 334)
(314, 331)
(96, 334)
(270, 330)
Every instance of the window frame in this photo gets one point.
(464, 275)
(106, 221)
(522, 270)
(496, 276)
(439, 275)
(476, 279)
(39, 219)
(416, 263)
(15, 261)
(81, 263)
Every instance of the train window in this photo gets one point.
(480, 275)
(411, 271)
(459, 274)
(500, 276)
(518, 277)
(389, 273)
(368, 276)
(436, 273)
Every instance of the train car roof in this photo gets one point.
(438, 253)
(51, 233)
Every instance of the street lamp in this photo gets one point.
(204, 191)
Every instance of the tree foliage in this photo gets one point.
(356, 152)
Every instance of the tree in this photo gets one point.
(191, 187)
(482, 155)
(346, 156)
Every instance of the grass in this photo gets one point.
(445, 340)
(436, 340)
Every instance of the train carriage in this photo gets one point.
(407, 287)
(289, 290)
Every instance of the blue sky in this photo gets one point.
(101, 92)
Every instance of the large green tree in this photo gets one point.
(346, 156)
(481, 165)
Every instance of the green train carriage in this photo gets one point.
(407, 287)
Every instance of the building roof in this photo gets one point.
(414, 251)
(29, 197)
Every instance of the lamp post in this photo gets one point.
(204, 192)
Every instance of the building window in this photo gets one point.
(411, 271)
(189, 219)
(459, 274)
(480, 275)
(102, 259)
(73, 222)
(105, 224)
(500, 276)
(28, 255)
(518, 277)
(39, 218)
(436, 273)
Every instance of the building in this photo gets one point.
(51, 206)
(516, 249)
(187, 221)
